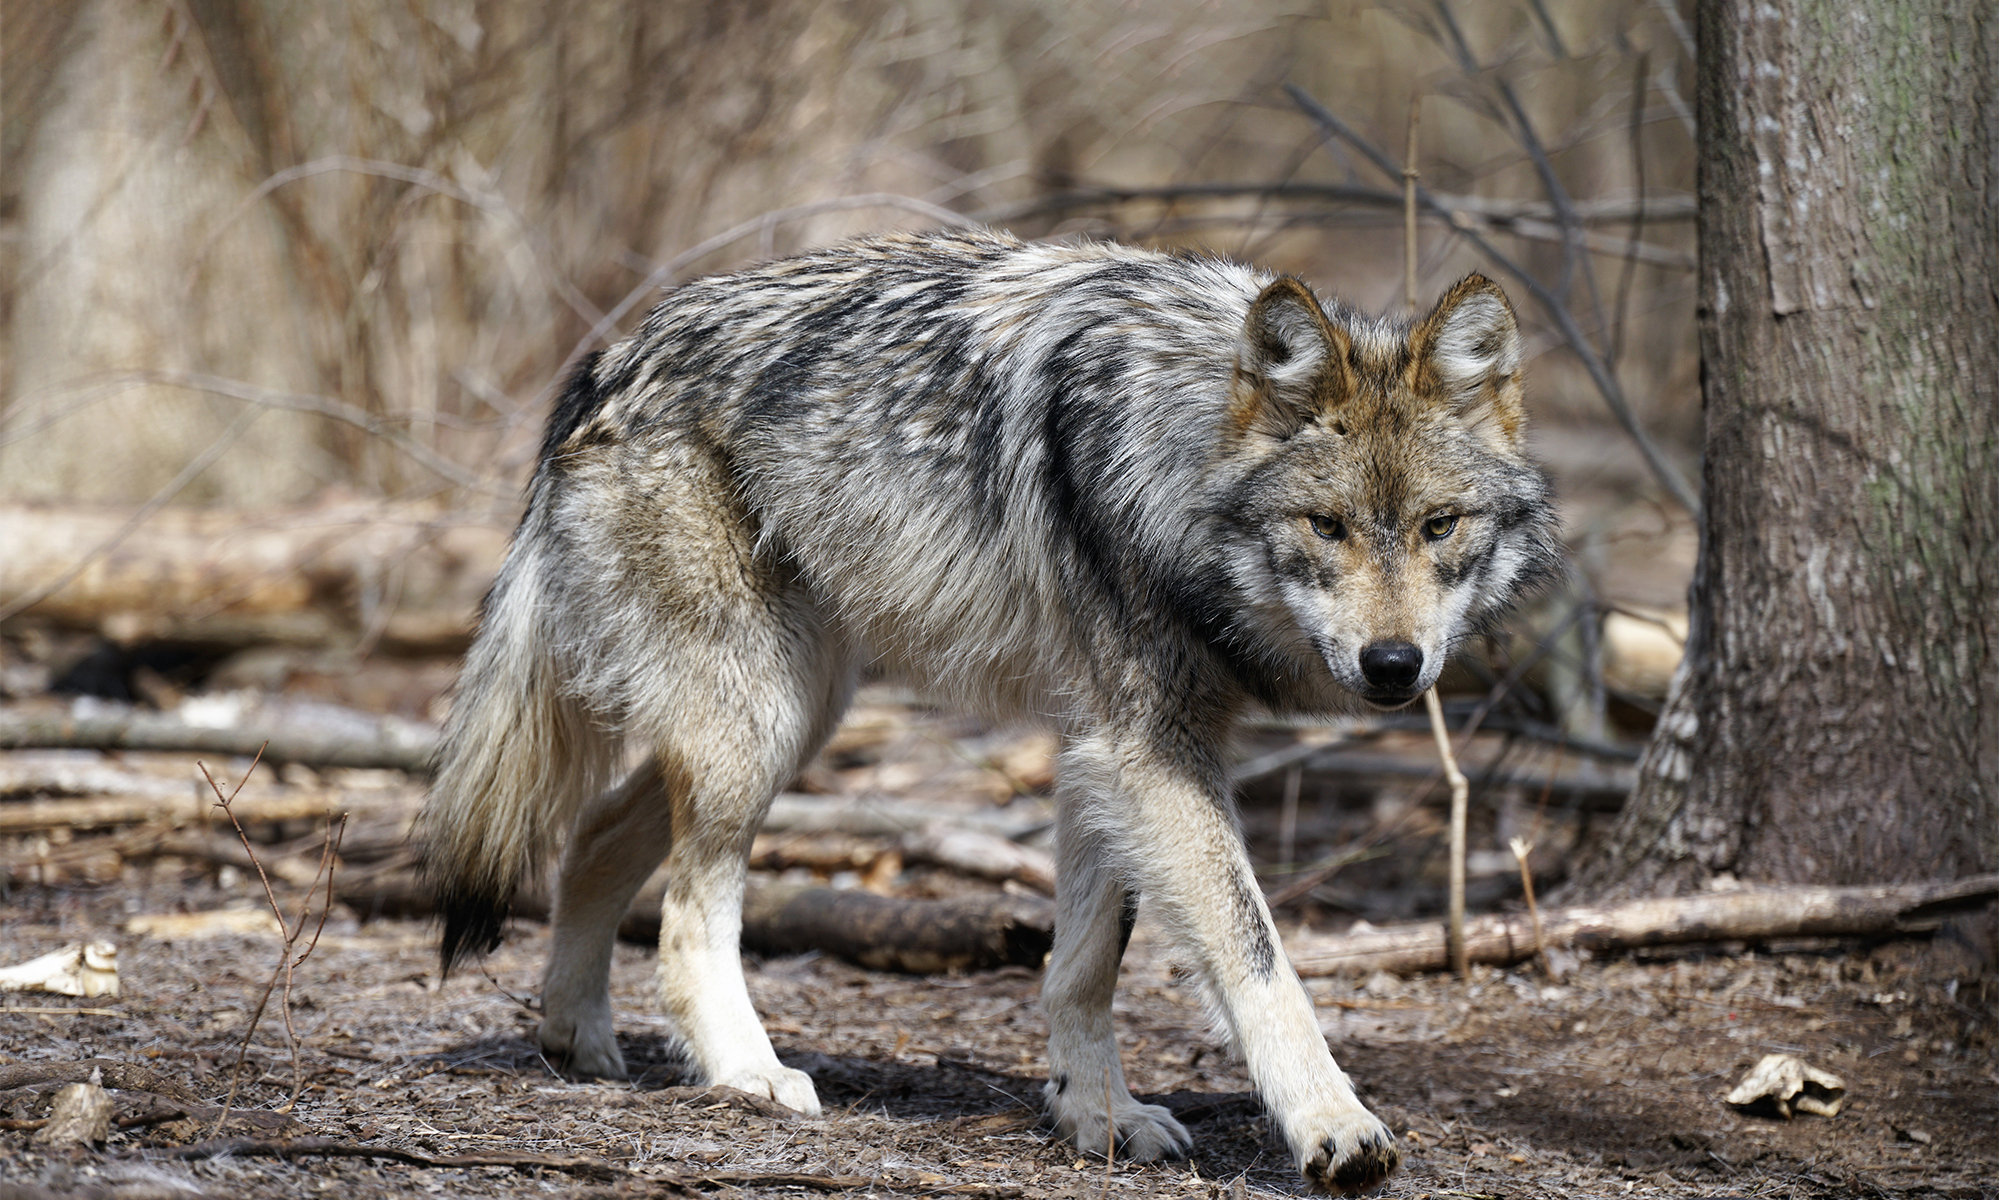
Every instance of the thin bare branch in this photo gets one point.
(1608, 387)
(666, 271)
(201, 462)
(485, 201)
(1634, 132)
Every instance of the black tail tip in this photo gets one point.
(473, 923)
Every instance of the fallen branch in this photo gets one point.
(657, 1183)
(398, 745)
(982, 855)
(122, 1076)
(521, 1160)
(1599, 787)
(916, 937)
(75, 970)
(405, 576)
(1748, 915)
(33, 816)
(884, 817)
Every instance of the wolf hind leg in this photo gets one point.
(1086, 1094)
(614, 843)
(760, 707)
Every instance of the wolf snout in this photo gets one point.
(1391, 669)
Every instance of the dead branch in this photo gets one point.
(310, 576)
(1452, 208)
(123, 1076)
(1454, 928)
(1602, 787)
(32, 816)
(657, 1183)
(918, 937)
(287, 965)
(589, 1168)
(885, 817)
(982, 855)
(397, 745)
(1748, 915)
(1551, 303)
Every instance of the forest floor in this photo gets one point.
(1608, 1082)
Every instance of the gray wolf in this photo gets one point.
(1127, 493)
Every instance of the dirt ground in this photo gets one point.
(1607, 1083)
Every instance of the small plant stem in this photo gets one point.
(1455, 913)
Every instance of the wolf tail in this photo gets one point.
(520, 753)
(521, 750)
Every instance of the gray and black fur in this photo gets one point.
(1129, 494)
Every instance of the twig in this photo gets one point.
(287, 965)
(402, 748)
(1521, 848)
(1625, 271)
(201, 462)
(1607, 384)
(660, 1183)
(1455, 914)
(329, 1148)
(115, 1074)
(1452, 208)
(1288, 815)
(485, 201)
(1745, 915)
(1317, 874)
(1410, 207)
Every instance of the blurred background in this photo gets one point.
(285, 288)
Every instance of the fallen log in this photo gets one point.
(982, 855)
(114, 1074)
(882, 933)
(1745, 915)
(914, 937)
(406, 576)
(105, 812)
(390, 743)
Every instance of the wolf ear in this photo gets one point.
(1292, 364)
(1468, 356)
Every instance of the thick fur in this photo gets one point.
(1127, 493)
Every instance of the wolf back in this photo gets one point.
(1127, 493)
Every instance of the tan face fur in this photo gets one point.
(1396, 508)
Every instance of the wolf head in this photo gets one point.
(1387, 505)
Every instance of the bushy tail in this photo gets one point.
(518, 756)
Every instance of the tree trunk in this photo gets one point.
(1833, 721)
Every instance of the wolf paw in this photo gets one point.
(1145, 1131)
(589, 1049)
(793, 1089)
(1355, 1152)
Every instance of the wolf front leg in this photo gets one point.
(1086, 1093)
(1188, 855)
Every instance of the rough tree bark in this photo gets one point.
(1833, 721)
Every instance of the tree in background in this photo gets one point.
(1833, 720)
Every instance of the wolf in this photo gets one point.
(1130, 494)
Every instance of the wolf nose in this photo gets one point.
(1391, 666)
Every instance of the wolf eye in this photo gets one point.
(1439, 528)
(1333, 529)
